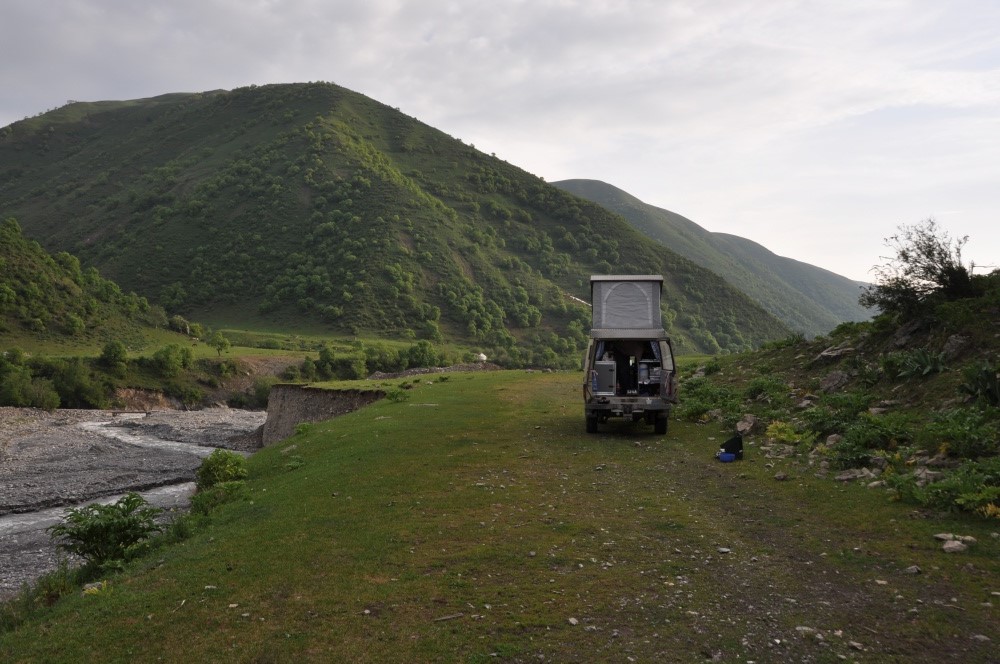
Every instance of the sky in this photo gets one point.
(813, 127)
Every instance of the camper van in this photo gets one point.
(629, 370)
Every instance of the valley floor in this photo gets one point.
(477, 522)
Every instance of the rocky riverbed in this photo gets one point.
(69, 457)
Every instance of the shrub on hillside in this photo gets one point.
(927, 266)
(982, 383)
(700, 397)
(869, 433)
(972, 487)
(220, 466)
(963, 433)
(101, 534)
(207, 500)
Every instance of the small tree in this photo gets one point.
(115, 358)
(219, 342)
(927, 264)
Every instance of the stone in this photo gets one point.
(981, 637)
(954, 346)
(574, 622)
(877, 484)
(925, 476)
(746, 424)
(913, 569)
(833, 353)
(944, 537)
(854, 474)
(834, 380)
(781, 477)
(954, 546)
(966, 539)
(833, 439)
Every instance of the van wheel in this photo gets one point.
(660, 427)
(591, 424)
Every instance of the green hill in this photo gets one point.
(310, 206)
(806, 298)
(50, 298)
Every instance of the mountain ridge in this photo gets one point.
(311, 204)
(807, 298)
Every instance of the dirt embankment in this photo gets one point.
(288, 405)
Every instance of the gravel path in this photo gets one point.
(67, 457)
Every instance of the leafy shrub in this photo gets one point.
(920, 362)
(397, 395)
(767, 387)
(869, 433)
(699, 397)
(836, 412)
(208, 499)
(972, 487)
(964, 433)
(115, 358)
(982, 383)
(101, 534)
(712, 366)
(220, 466)
(170, 359)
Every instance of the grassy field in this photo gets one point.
(476, 522)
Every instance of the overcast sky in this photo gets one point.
(813, 127)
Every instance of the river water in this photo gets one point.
(49, 462)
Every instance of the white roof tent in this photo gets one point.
(626, 306)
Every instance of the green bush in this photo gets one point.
(972, 487)
(767, 387)
(982, 383)
(101, 534)
(836, 412)
(220, 466)
(920, 362)
(699, 397)
(869, 433)
(964, 433)
(207, 500)
(397, 395)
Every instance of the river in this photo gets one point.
(49, 461)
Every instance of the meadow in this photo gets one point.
(472, 519)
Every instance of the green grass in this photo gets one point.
(473, 521)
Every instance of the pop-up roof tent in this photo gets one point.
(626, 306)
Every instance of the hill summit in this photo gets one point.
(314, 207)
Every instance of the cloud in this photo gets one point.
(758, 117)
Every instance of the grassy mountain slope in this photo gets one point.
(50, 298)
(298, 205)
(807, 298)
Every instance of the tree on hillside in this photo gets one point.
(928, 264)
(219, 342)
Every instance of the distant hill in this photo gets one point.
(807, 298)
(51, 297)
(311, 206)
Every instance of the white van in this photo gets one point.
(629, 367)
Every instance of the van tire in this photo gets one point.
(660, 427)
(591, 424)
